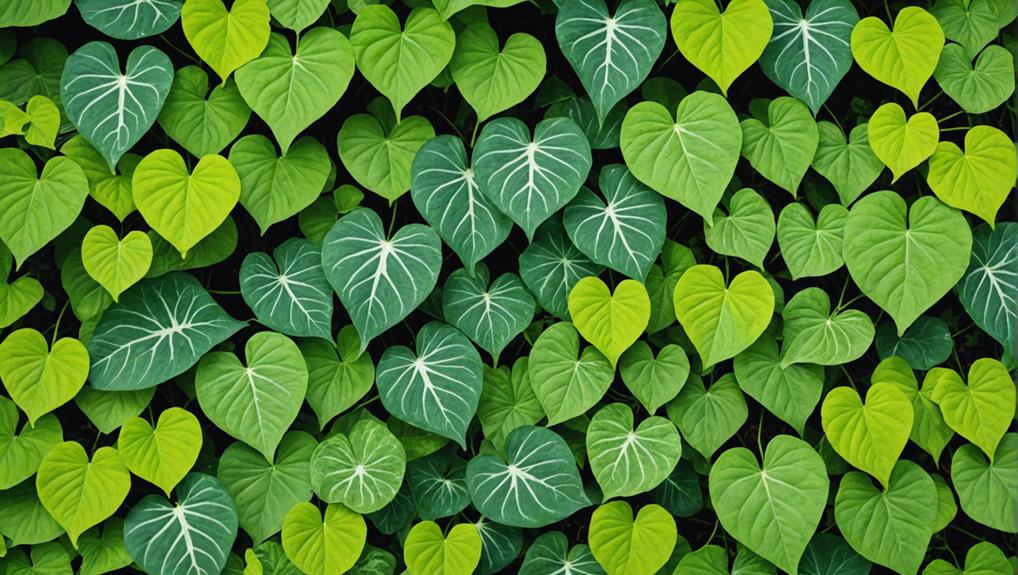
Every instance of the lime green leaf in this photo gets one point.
(625, 545)
(902, 145)
(338, 375)
(202, 125)
(947, 508)
(904, 259)
(255, 403)
(890, 527)
(130, 19)
(929, 431)
(689, 157)
(980, 86)
(328, 546)
(721, 44)
(35, 208)
(551, 265)
(163, 455)
(903, 58)
(447, 8)
(722, 320)
(226, 39)
(610, 321)
(782, 147)
(437, 388)
(747, 231)
(104, 553)
(114, 109)
(80, 493)
(379, 155)
(194, 534)
(976, 180)
(850, 165)
(428, 552)
(108, 410)
(289, 293)
(31, 14)
(111, 190)
(116, 263)
(814, 334)
(550, 553)
(790, 392)
(628, 460)
(362, 469)
(988, 491)
(812, 248)
(971, 24)
(654, 381)
(981, 411)
(983, 557)
(708, 417)
(398, 60)
(493, 80)
(40, 379)
(297, 14)
(869, 436)
(567, 386)
(184, 207)
(21, 453)
(492, 315)
(44, 122)
(988, 293)
(772, 508)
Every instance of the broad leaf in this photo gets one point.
(654, 381)
(550, 553)
(989, 288)
(567, 386)
(428, 551)
(781, 147)
(849, 164)
(628, 460)
(828, 554)
(981, 409)
(812, 248)
(708, 417)
(226, 39)
(925, 344)
(492, 315)
(610, 321)
(904, 57)
(508, 401)
(988, 491)
(21, 453)
(627, 545)
(338, 375)
(747, 231)
(116, 263)
(814, 334)
(979, 86)
(164, 454)
(380, 155)
(438, 484)
(929, 431)
(675, 259)
(362, 469)
(31, 14)
(978, 179)
(899, 143)
(202, 122)
(972, 24)
(551, 266)
(39, 378)
(790, 392)
(326, 546)
(130, 19)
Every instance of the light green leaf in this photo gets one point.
(551, 265)
(336, 381)
(983, 557)
(46, 559)
(850, 165)
(976, 180)
(981, 410)
(398, 60)
(110, 190)
(116, 263)
(814, 334)
(158, 330)
(165, 454)
(625, 545)
(689, 157)
(21, 14)
(529, 177)
(611, 322)
(493, 80)
(988, 292)
(255, 403)
(628, 460)
(782, 147)
(708, 417)
(428, 551)
(108, 410)
(747, 231)
(902, 145)
(379, 279)
(18, 298)
(654, 381)
(202, 125)
(288, 292)
(550, 553)
(110, 108)
(104, 553)
(567, 386)
(226, 39)
(772, 508)
(79, 493)
(972, 24)
(380, 155)
(988, 491)
(980, 86)
(904, 259)
(25, 521)
(721, 320)
(721, 44)
(790, 392)
(44, 122)
(21, 453)
(290, 90)
(328, 546)
(130, 19)
(869, 436)
(40, 379)
(297, 14)
(508, 401)
(492, 315)
(812, 248)
(437, 388)
(947, 509)
(362, 469)
(929, 431)
(903, 58)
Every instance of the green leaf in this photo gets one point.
(160, 329)
(654, 381)
(374, 561)
(445, 193)
(626, 230)
(747, 231)
(202, 125)
(988, 292)
(904, 259)
(362, 469)
(850, 165)
(689, 157)
(675, 260)
(926, 343)
(903, 58)
(902, 145)
(604, 136)
(428, 551)
(336, 381)
(492, 315)
(36, 71)
(988, 490)
(290, 90)
(130, 19)
(628, 460)
(31, 14)
(869, 436)
(680, 493)
(929, 431)
(44, 122)
(890, 527)
(380, 155)
(274, 188)
(790, 392)
(46, 559)
(226, 39)
(721, 44)
(772, 508)
(437, 388)
(983, 557)
(326, 546)
(184, 207)
(25, 521)
(500, 545)
(215, 248)
(530, 178)
(106, 553)
(265, 491)
(116, 263)
(828, 554)
(809, 54)
(721, 320)
(812, 248)
(40, 379)
(165, 454)
(537, 483)
(79, 493)
(625, 545)
(508, 401)
(288, 291)
(567, 386)
(981, 410)
(18, 298)
(110, 190)
(110, 108)
(550, 553)
(971, 24)
(255, 403)
(379, 280)
(782, 147)
(551, 266)
(21, 453)
(448, 8)
(398, 60)
(438, 485)
(297, 14)
(195, 534)
(979, 179)
(108, 410)
(493, 80)
(708, 417)
(611, 322)
(813, 334)
(980, 86)
(35, 208)
(611, 52)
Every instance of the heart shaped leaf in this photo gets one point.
(338, 375)
(493, 80)
(654, 381)
(625, 460)
(567, 386)
(226, 39)
(850, 165)
(981, 410)
(812, 248)
(747, 231)
(492, 315)
(781, 147)
(624, 544)
(428, 551)
(320, 546)
(362, 469)
(202, 125)
(21, 453)
(987, 489)
(550, 552)
(40, 379)
(380, 155)
(988, 293)
(116, 263)
(708, 417)
(551, 266)
(903, 58)
(980, 86)
(130, 19)
(162, 455)
(814, 334)
(789, 392)
(610, 321)
(978, 179)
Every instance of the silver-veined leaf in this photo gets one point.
(491, 315)
(551, 265)
(362, 469)
(989, 288)
(289, 293)
(130, 19)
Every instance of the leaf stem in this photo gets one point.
(950, 116)
(836, 120)
(759, 432)
(931, 100)
(56, 326)
(955, 129)
(179, 51)
(473, 136)
(392, 220)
